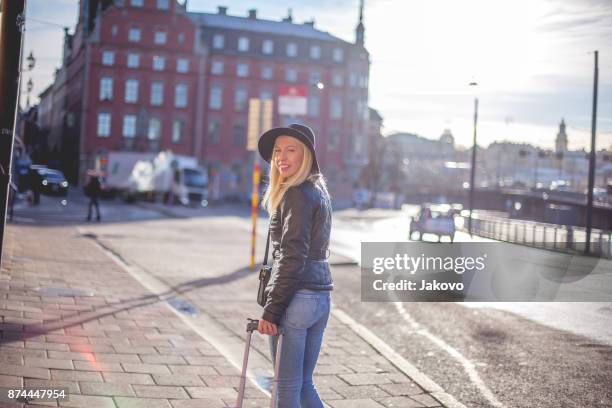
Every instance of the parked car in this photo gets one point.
(433, 219)
(52, 182)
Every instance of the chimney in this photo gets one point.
(222, 10)
(253, 14)
(289, 18)
(310, 23)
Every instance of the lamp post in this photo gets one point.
(592, 156)
(473, 167)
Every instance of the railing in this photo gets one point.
(564, 238)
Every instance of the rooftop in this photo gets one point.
(253, 24)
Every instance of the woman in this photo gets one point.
(299, 288)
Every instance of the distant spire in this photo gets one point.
(561, 140)
(360, 30)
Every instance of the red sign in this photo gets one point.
(293, 90)
(292, 100)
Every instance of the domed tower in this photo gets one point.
(447, 138)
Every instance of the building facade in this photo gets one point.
(146, 75)
(248, 57)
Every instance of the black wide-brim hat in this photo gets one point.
(301, 132)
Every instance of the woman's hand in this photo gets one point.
(266, 327)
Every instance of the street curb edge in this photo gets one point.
(398, 361)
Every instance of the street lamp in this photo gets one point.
(31, 64)
(29, 87)
(31, 61)
(473, 167)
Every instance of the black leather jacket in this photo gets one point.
(299, 234)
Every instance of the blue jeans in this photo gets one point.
(303, 324)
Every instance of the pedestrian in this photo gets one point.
(93, 189)
(35, 182)
(299, 291)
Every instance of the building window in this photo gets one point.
(181, 38)
(314, 78)
(216, 67)
(291, 75)
(315, 52)
(159, 63)
(180, 95)
(108, 57)
(239, 134)
(133, 60)
(178, 129)
(104, 124)
(129, 126)
(338, 55)
(363, 81)
(134, 34)
(214, 131)
(218, 41)
(291, 49)
(352, 79)
(131, 91)
(267, 72)
(106, 88)
(313, 106)
(160, 37)
(154, 129)
(114, 30)
(157, 93)
(335, 107)
(163, 4)
(243, 44)
(182, 65)
(334, 139)
(240, 99)
(242, 69)
(216, 97)
(265, 94)
(136, 3)
(337, 79)
(267, 47)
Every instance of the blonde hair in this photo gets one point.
(278, 185)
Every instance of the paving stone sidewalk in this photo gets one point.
(122, 347)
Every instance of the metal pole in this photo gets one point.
(473, 168)
(12, 25)
(589, 219)
(254, 206)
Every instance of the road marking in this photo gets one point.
(468, 366)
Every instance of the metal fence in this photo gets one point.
(542, 235)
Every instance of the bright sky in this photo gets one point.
(532, 59)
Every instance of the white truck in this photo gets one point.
(174, 178)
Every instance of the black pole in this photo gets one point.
(473, 168)
(12, 23)
(589, 219)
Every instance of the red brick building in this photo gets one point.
(146, 75)
(130, 80)
(248, 57)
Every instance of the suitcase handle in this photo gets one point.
(253, 324)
